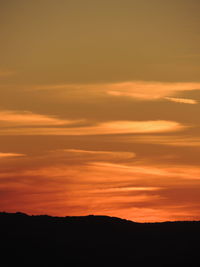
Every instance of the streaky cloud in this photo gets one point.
(140, 90)
(126, 189)
(182, 100)
(11, 155)
(26, 118)
(103, 155)
(171, 140)
(105, 128)
(152, 90)
(180, 172)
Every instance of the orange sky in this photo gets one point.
(99, 108)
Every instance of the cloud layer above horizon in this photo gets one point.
(82, 149)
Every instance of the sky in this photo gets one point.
(100, 108)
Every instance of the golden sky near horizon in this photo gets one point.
(100, 108)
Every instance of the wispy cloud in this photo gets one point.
(182, 100)
(127, 189)
(105, 128)
(150, 90)
(136, 192)
(10, 155)
(25, 118)
(168, 140)
(187, 172)
(141, 90)
(89, 155)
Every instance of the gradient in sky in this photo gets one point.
(100, 108)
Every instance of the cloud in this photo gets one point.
(182, 100)
(105, 128)
(136, 192)
(126, 189)
(11, 155)
(141, 90)
(150, 90)
(88, 155)
(186, 172)
(166, 140)
(137, 127)
(25, 118)
(97, 181)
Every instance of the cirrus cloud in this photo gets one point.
(182, 100)
(11, 155)
(88, 155)
(141, 90)
(105, 128)
(26, 118)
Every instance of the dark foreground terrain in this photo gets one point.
(96, 241)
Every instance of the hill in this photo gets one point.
(96, 241)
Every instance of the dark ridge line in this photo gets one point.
(91, 216)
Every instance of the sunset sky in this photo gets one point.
(100, 108)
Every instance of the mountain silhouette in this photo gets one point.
(96, 241)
